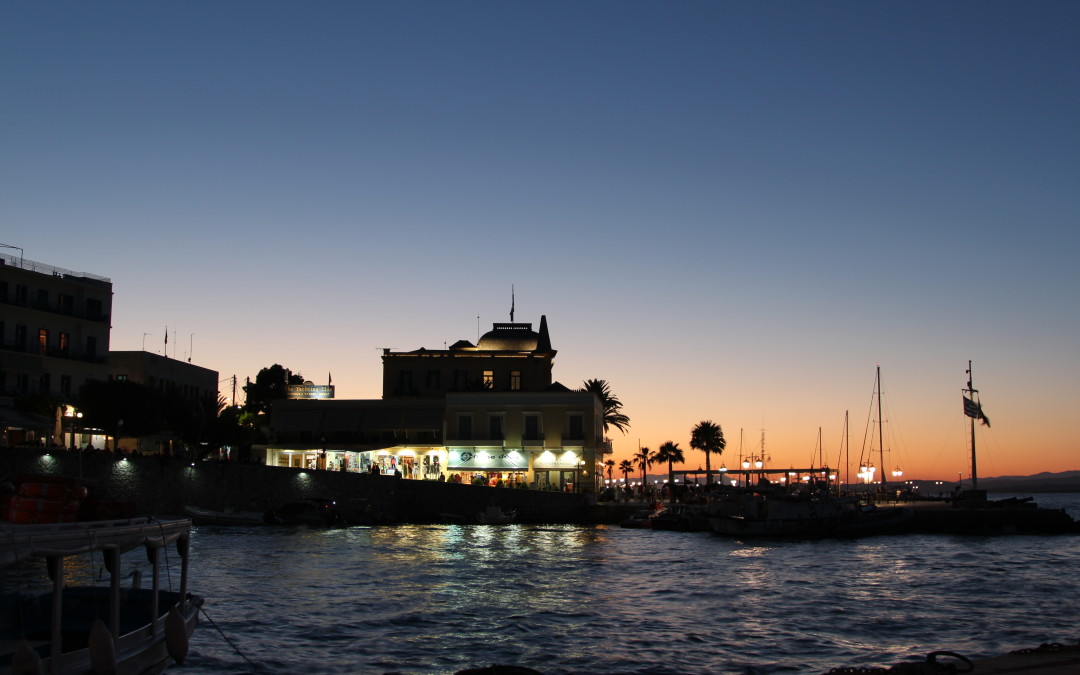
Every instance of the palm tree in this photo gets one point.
(645, 459)
(613, 415)
(610, 464)
(708, 437)
(626, 466)
(671, 453)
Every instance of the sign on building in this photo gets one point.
(310, 391)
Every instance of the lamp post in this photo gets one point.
(74, 415)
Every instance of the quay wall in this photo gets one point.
(163, 486)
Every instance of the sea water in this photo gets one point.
(601, 599)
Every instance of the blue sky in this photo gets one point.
(728, 210)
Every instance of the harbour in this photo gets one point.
(603, 599)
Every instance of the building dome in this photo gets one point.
(509, 337)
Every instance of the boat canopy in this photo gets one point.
(23, 542)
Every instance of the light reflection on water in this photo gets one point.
(568, 599)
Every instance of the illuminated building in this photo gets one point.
(54, 336)
(487, 412)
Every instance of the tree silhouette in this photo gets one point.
(271, 384)
(708, 437)
(671, 453)
(120, 408)
(626, 466)
(644, 458)
(612, 406)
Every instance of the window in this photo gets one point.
(67, 303)
(43, 342)
(433, 380)
(464, 425)
(64, 343)
(46, 383)
(3, 334)
(489, 379)
(575, 427)
(461, 379)
(20, 337)
(495, 427)
(93, 309)
(121, 378)
(91, 347)
(65, 385)
(22, 383)
(20, 294)
(532, 427)
(42, 298)
(515, 379)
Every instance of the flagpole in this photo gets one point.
(974, 471)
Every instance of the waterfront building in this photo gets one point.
(167, 376)
(193, 383)
(54, 336)
(488, 412)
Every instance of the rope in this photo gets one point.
(168, 572)
(226, 638)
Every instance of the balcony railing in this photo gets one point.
(42, 268)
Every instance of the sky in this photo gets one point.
(733, 211)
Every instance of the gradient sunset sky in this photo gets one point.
(728, 210)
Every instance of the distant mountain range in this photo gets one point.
(1065, 481)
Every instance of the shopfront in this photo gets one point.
(412, 463)
(557, 471)
(494, 467)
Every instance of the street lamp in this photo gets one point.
(73, 414)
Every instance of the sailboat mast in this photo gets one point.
(881, 433)
(847, 452)
(971, 390)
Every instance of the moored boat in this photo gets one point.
(802, 516)
(89, 628)
(200, 516)
(640, 520)
(313, 512)
(496, 515)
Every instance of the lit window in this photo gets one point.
(515, 379)
(489, 379)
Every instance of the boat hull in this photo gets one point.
(207, 517)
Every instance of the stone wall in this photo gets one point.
(163, 486)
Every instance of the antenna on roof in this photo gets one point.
(511, 303)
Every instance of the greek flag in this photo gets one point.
(974, 409)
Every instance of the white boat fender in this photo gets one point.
(25, 661)
(176, 637)
(102, 649)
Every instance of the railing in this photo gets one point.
(56, 308)
(42, 268)
(32, 348)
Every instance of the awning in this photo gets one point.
(15, 419)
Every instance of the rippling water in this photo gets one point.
(571, 599)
